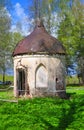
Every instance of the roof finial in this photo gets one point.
(38, 20)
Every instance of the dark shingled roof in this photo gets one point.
(39, 41)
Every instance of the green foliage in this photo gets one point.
(71, 32)
(72, 80)
(8, 40)
(5, 22)
(16, 37)
(43, 113)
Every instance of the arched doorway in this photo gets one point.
(21, 81)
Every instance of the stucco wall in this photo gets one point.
(42, 71)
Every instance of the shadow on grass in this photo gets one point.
(67, 117)
(49, 125)
(69, 95)
(74, 85)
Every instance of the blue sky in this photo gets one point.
(20, 12)
(24, 3)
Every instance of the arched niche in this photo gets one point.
(41, 76)
(21, 81)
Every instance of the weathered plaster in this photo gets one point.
(38, 66)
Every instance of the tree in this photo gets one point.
(5, 22)
(47, 14)
(79, 21)
(71, 33)
(43, 9)
(16, 37)
(64, 18)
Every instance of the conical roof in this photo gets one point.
(39, 41)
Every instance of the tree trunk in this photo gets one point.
(83, 78)
(3, 76)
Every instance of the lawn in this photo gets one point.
(44, 113)
(77, 90)
(7, 78)
(7, 94)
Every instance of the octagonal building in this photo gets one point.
(39, 65)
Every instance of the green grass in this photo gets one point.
(44, 113)
(7, 95)
(7, 78)
(76, 90)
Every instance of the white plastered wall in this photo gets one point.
(52, 64)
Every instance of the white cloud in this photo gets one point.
(19, 15)
(13, 28)
(19, 10)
